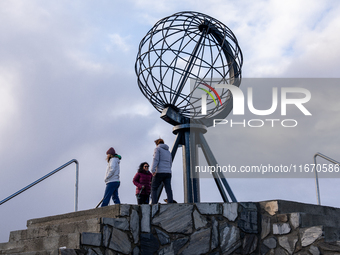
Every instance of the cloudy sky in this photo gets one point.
(68, 90)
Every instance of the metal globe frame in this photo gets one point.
(179, 54)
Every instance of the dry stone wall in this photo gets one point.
(206, 228)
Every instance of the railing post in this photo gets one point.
(317, 181)
(76, 186)
(316, 173)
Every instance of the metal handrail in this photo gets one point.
(48, 175)
(316, 173)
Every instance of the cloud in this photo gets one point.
(8, 101)
(119, 42)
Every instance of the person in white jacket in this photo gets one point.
(112, 177)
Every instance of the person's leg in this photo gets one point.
(138, 199)
(141, 199)
(144, 199)
(115, 197)
(167, 186)
(107, 194)
(147, 199)
(156, 182)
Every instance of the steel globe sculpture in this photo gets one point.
(188, 46)
(182, 54)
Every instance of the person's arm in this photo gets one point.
(113, 166)
(136, 181)
(155, 160)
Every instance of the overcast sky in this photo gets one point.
(68, 90)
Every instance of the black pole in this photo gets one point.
(187, 177)
(194, 162)
(213, 162)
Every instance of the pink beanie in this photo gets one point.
(111, 151)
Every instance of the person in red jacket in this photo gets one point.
(142, 180)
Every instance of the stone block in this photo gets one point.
(249, 206)
(175, 218)
(93, 239)
(92, 252)
(120, 241)
(280, 251)
(209, 208)
(214, 233)
(199, 243)
(294, 220)
(331, 234)
(145, 221)
(288, 242)
(248, 218)
(230, 211)
(249, 244)
(282, 218)
(110, 252)
(270, 207)
(154, 210)
(310, 235)
(124, 210)
(106, 235)
(71, 241)
(199, 220)
(17, 235)
(229, 238)
(330, 247)
(120, 223)
(179, 243)
(264, 250)
(314, 250)
(134, 226)
(162, 237)
(270, 242)
(43, 231)
(97, 251)
(281, 228)
(148, 244)
(168, 250)
(62, 228)
(136, 251)
(265, 225)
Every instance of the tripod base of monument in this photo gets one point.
(190, 137)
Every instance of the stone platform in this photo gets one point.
(268, 227)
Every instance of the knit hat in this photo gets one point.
(111, 151)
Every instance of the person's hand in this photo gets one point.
(153, 174)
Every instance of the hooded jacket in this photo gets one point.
(112, 170)
(162, 159)
(141, 179)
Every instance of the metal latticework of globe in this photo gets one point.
(183, 56)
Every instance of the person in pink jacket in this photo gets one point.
(142, 181)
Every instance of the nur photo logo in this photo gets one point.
(294, 98)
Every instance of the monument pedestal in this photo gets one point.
(269, 227)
